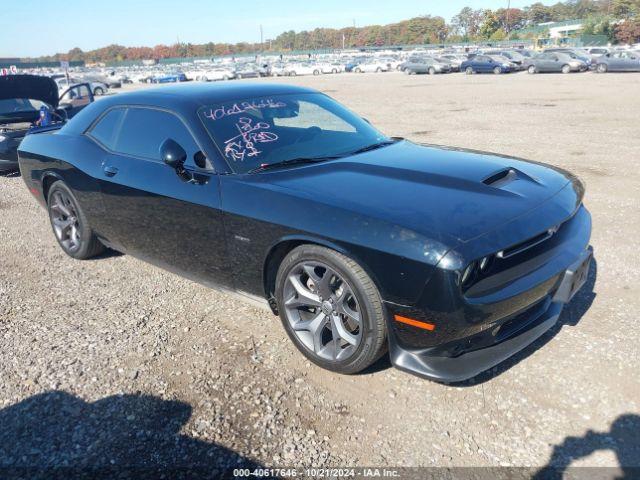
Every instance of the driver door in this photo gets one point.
(156, 212)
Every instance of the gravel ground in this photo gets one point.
(113, 362)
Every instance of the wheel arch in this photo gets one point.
(48, 179)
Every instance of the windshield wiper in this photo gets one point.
(375, 146)
(293, 161)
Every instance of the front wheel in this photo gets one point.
(468, 70)
(566, 69)
(331, 309)
(70, 225)
(602, 68)
(98, 91)
(316, 72)
(531, 69)
(497, 70)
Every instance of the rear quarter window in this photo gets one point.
(106, 130)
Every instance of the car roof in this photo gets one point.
(185, 95)
(184, 99)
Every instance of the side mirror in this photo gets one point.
(172, 153)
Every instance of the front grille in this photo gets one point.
(527, 244)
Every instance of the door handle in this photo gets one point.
(109, 171)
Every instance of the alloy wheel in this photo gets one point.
(322, 310)
(66, 224)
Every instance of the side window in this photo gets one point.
(145, 129)
(106, 130)
(312, 115)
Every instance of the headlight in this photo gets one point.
(3, 138)
(574, 64)
(505, 65)
(485, 263)
(468, 274)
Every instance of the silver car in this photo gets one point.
(621, 61)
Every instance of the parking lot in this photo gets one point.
(140, 367)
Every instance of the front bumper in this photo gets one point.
(517, 301)
(467, 357)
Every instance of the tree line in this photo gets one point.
(619, 20)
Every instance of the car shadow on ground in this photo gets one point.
(622, 439)
(57, 435)
(571, 314)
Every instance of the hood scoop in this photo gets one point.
(505, 176)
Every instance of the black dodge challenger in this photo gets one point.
(453, 260)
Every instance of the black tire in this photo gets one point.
(497, 70)
(566, 69)
(602, 68)
(89, 245)
(469, 70)
(98, 91)
(373, 343)
(432, 71)
(532, 69)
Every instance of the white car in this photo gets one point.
(331, 67)
(212, 74)
(303, 69)
(371, 66)
(279, 69)
(97, 88)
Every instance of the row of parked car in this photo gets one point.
(565, 60)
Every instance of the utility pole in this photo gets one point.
(508, 8)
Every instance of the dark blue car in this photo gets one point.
(484, 64)
(169, 78)
(453, 260)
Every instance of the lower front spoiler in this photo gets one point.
(448, 369)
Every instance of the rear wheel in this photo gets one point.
(468, 70)
(70, 225)
(531, 69)
(432, 71)
(316, 72)
(98, 91)
(602, 68)
(566, 69)
(330, 309)
(357, 70)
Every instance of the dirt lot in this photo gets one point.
(113, 362)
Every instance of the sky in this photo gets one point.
(43, 27)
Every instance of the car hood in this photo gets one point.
(32, 87)
(446, 194)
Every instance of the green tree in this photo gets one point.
(490, 24)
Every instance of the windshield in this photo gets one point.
(260, 131)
